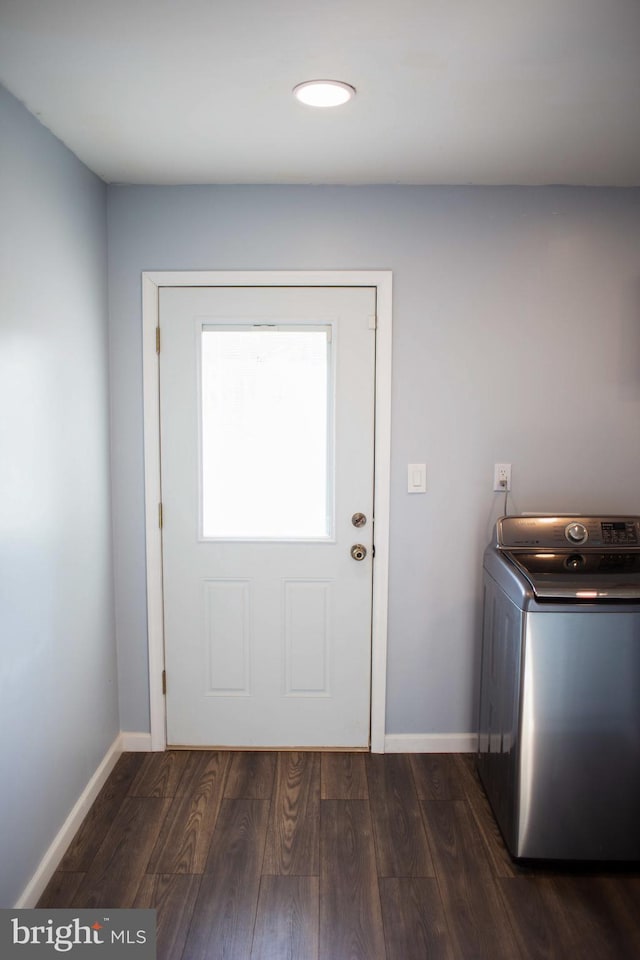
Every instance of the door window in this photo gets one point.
(266, 438)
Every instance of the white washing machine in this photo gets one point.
(559, 731)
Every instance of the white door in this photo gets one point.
(267, 452)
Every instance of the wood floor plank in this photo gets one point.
(103, 811)
(173, 898)
(186, 834)
(293, 839)
(287, 919)
(251, 775)
(415, 926)
(120, 863)
(542, 933)
(61, 890)
(473, 906)
(350, 914)
(436, 776)
(574, 915)
(160, 774)
(556, 916)
(596, 917)
(623, 893)
(343, 776)
(225, 911)
(401, 842)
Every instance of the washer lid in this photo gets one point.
(580, 575)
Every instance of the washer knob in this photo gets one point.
(576, 533)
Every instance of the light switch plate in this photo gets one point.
(417, 478)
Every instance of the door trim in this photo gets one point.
(152, 281)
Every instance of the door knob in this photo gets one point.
(358, 551)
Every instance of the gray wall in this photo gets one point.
(516, 338)
(58, 697)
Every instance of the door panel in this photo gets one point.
(267, 615)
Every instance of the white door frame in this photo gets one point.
(152, 281)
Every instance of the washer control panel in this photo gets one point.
(619, 531)
(568, 532)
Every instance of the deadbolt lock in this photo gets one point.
(358, 551)
(358, 519)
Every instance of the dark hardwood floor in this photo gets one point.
(333, 856)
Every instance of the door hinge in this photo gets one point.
(164, 682)
(373, 322)
(157, 339)
(160, 515)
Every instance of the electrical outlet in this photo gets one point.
(501, 476)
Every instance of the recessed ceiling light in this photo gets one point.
(324, 93)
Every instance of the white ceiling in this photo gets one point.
(449, 91)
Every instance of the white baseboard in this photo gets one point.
(124, 742)
(135, 742)
(430, 743)
(49, 863)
